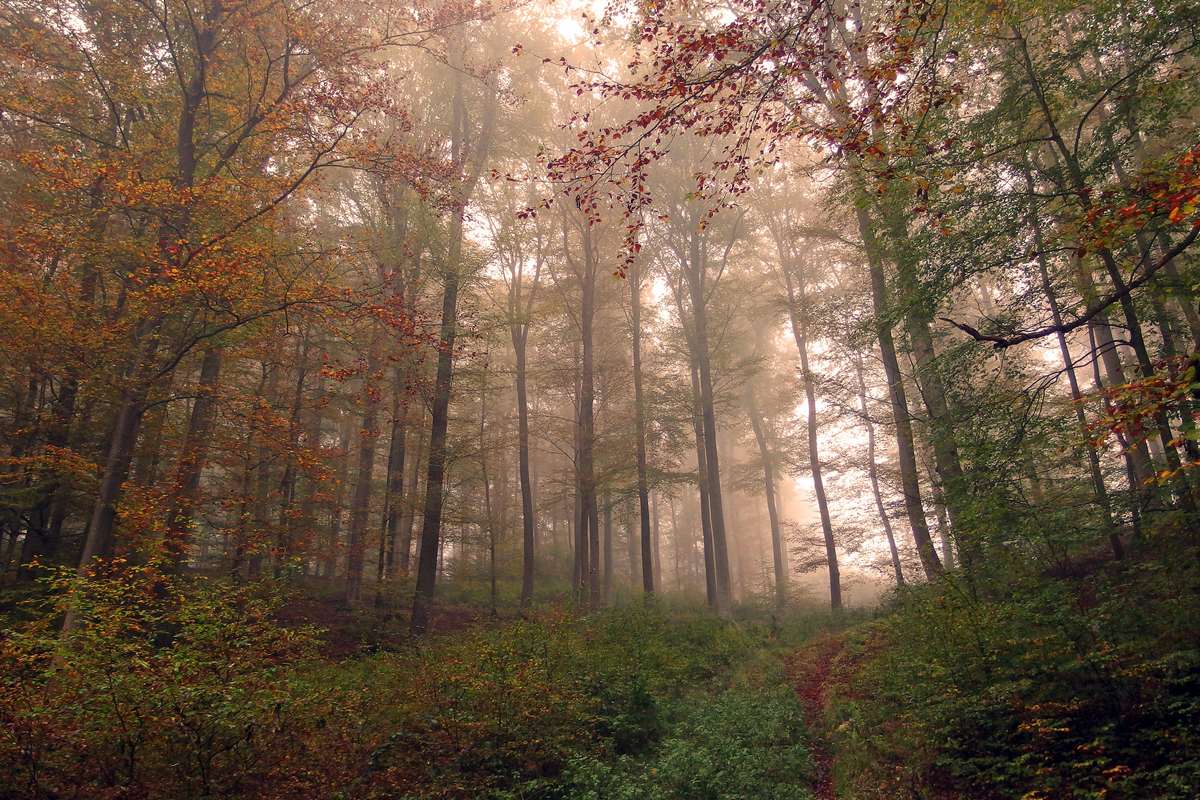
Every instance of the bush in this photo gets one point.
(519, 710)
(193, 689)
(1040, 688)
(161, 683)
(740, 744)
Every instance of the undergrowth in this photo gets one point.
(1028, 686)
(191, 688)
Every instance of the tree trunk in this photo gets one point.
(312, 443)
(720, 549)
(489, 527)
(798, 316)
(873, 474)
(710, 575)
(675, 542)
(394, 497)
(917, 323)
(1098, 487)
(1105, 349)
(905, 446)
(431, 524)
(345, 441)
(408, 511)
(286, 543)
(99, 540)
(657, 554)
(268, 399)
(586, 423)
(608, 550)
(360, 506)
(434, 482)
(520, 335)
(768, 465)
(643, 490)
(633, 551)
(193, 459)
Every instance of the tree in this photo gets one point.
(470, 143)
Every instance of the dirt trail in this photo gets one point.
(811, 672)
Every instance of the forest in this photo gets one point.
(599, 399)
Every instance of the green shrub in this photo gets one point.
(1042, 688)
(745, 744)
(193, 689)
(161, 683)
(738, 745)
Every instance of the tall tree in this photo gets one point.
(639, 414)
(470, 144)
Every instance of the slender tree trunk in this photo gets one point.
(99, 540)
(330, 554)
(675, 543)
(941, 515)
(394, 497)
(269, 400)
(710, 575)
(489, 527)
(193, 458)
(720, 549)
(520, 335)
(657, 554)
(633, 551)
(586, 423)
(431, 524)
(798, 315)
(873, 473)
(608, 550)
(308, 503)
(1098, 488)
(905, 446)
(917, 323)
(1105, 349)
(579, 524)
(768, 463)
(408, 511)
(594, 588)
(1136, 495)
(236, 549)
(361, 504)
(639, 413)
(286, 543)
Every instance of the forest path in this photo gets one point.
(810, 670)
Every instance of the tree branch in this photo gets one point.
(1001, 342)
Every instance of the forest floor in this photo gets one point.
(813, 662)
(811, 673)
(1064, 688)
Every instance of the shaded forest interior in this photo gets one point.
(567, 399)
